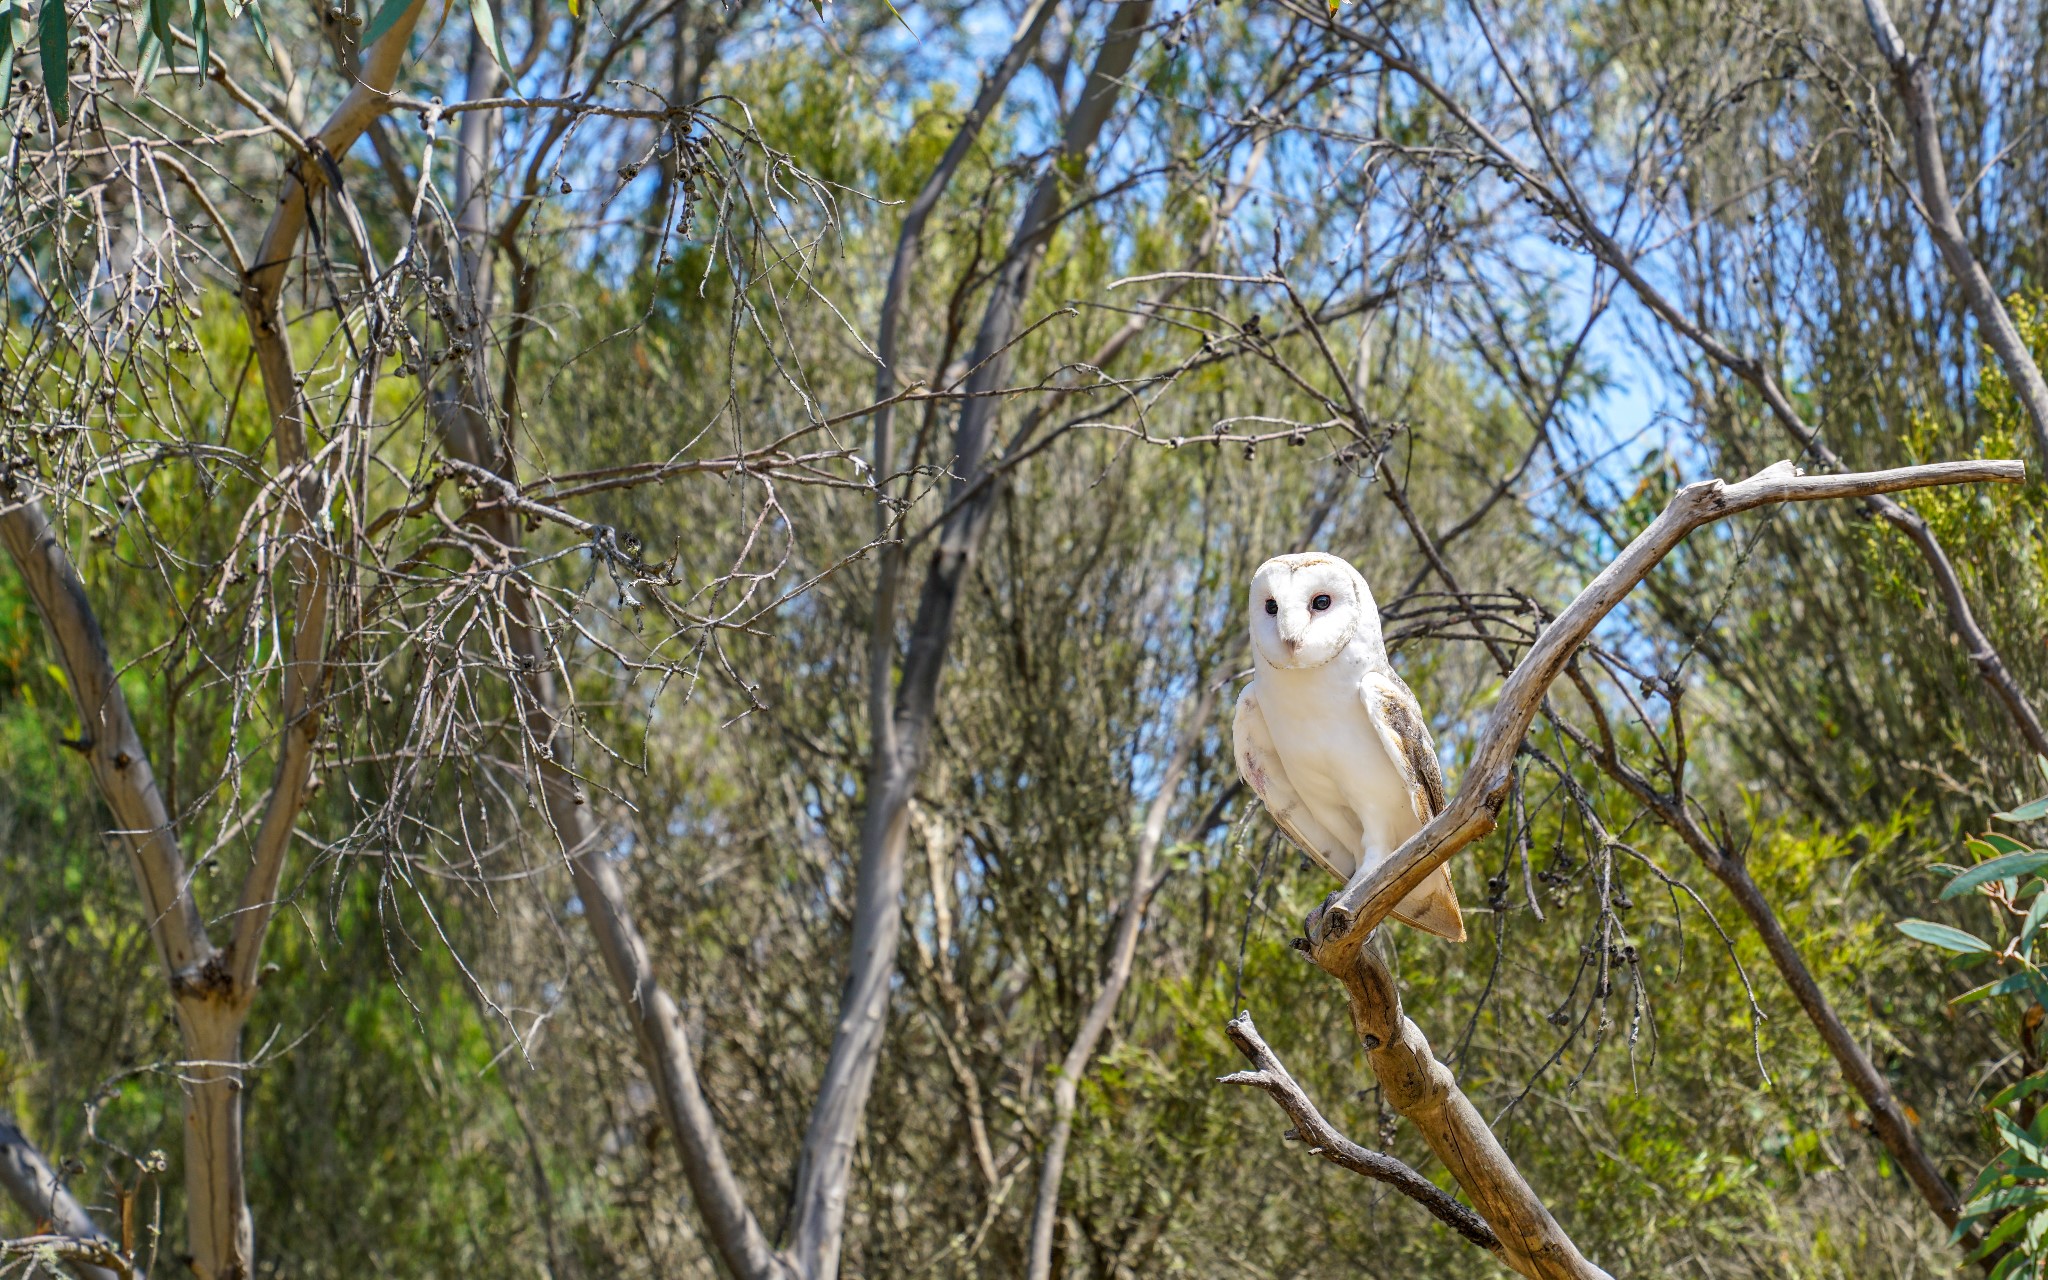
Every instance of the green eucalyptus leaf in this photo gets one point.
(2018, 1139)
(2003, 1232)
(487, 27)
(6, 54)
(160, 23)
(387, 17)
(55, 39)
(2028, 812)
(2011, 984)
(2014, 1092)
(1944, 936)
(2009, 1198)
(1998, 868)
(2032, 924)
(255, 12)
(149, 56)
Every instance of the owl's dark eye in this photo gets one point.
(1272, 608)
(1320, 603)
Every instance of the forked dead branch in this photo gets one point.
(1416, 1084)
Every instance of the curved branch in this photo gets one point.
(1569, 209)
(1424, 1092)
(1270, 1075)
(1353, 911)
(107, 736)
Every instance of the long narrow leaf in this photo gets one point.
(2012, 864)
(2028, 812)
(55, 36)
(2014, 1223)
(2014, 1092)
(2011, 984)
(6, 52)
(487, 27)
(160, 24)
(2032, 924)
(2009, 1198)
(1944, 936)
(2018, 1139)
(387, 18)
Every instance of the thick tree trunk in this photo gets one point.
(222, 1234)
(209, 1007)
(823, 1176)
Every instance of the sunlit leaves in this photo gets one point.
(2010, 1194)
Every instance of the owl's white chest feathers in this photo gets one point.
(1333, 754)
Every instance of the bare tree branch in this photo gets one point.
(900, 739)
(1269, 1074)
(32, 1184)
(1137, 895)
(1355, 910)
(1909, 76)
(1424, 1092)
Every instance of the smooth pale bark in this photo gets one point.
(1426, 1094)
(1909, 75)
(221, 1236)
(902, 267)
(818, 1208)
(31, 1183)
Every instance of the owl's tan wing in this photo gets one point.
(1431, 906)
(1259, 765)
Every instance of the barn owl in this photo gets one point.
(1330, 738)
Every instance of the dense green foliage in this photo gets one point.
(2008, 1204)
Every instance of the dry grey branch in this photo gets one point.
(1270, 1075)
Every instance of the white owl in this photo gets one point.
(1330, 738)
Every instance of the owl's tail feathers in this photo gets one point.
(1432, 907)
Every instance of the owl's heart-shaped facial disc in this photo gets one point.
(1306, 608)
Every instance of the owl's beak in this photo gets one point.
(1293, 644)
